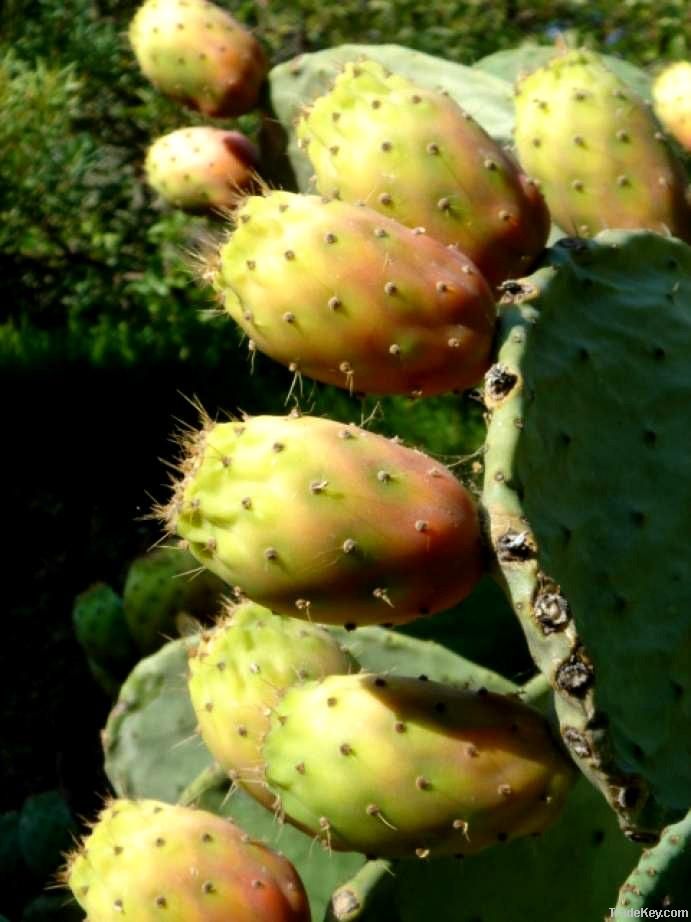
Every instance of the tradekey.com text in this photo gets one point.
(649, 913)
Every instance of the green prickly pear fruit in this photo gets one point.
(398, 767)
(196, 53)
(160, 588)
(237, 674)
(355, 299)
(672, 101)
(201, 168)
(330, 522)
(414, 155)
(147, 860)
(102, 632)
(597, 150)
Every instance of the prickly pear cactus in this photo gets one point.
(144, 859)
(102, 632)
(150, 743)
(597, 150)
(237, 674)
(415, 156)
(201, 168)
(428, 769)
(196, 53)
(672, 101)
(662, 879)
(347, 296)
(46, 829)
(588, 502)
(148, 754)
(376, 532)
(162, 586)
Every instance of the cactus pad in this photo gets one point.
(588, 500)
(101, 629)
(325, 521)
(350, 297)
(162, 586)
(662, 879)
(597, 150)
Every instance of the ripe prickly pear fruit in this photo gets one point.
(597, 151)
(201, 168)
(237, 674)
(102, 632)
(196, 53)
(326, 521)
(161, 588)
(146, 860)
(672, 101)
(398, 767)
(414, 155)
(353, 298)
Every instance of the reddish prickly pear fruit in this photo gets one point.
(325, 521)
(146, 860)
(672, 101)
(201, 168)
(597, 150)
(347, 296)
(237, 674)
(195, 52)
(398, 767)
(413, 154)
(164, 588)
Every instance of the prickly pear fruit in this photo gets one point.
(237, 674)
(355, 299)
(597, 151)
(326, 521)
(146, 860)
(196, 53)
(672, 101)
(162, 586)
(413, 154)
(401, 766)
(101, 629)
(201, 168)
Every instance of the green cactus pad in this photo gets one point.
(102, 632)
(150, 743)
(299, 81)
(46, 828)
(163, 586)
(414, 155)
(662, 879)
(597, 150)
(377, 532)
(588, 502)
